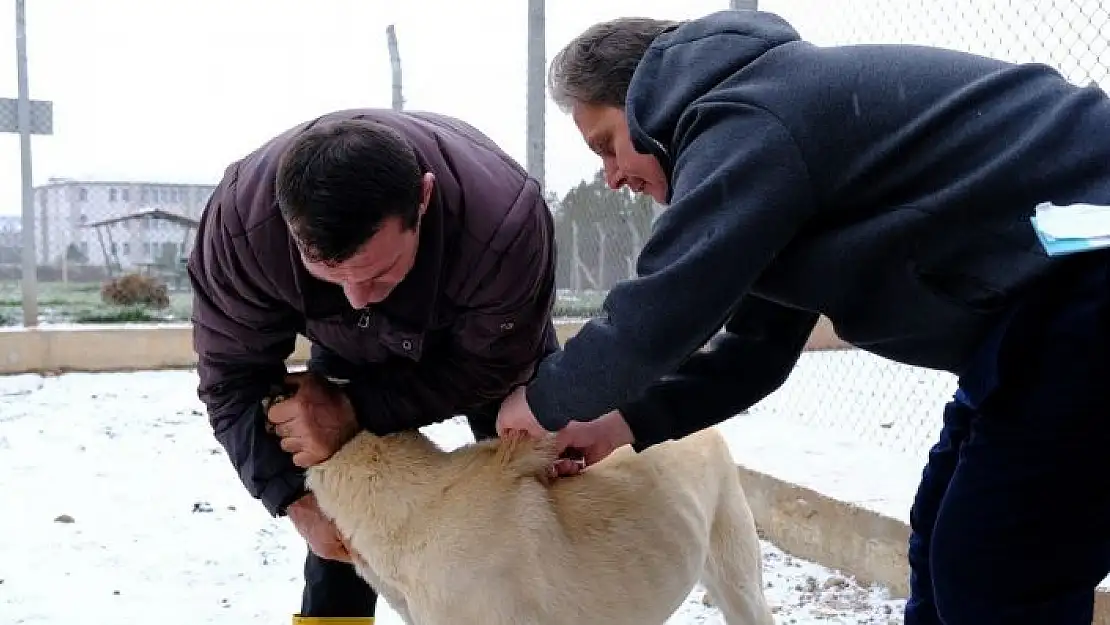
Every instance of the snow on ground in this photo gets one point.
(123, 508)
(843, 463)
(832, 462)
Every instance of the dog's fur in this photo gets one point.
(479, 535)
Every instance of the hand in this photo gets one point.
(595, 439)
(315, 422)
(516, 415)
(318, 531)
(515, 418)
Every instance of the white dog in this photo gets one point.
(480, 535)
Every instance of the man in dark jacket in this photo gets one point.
(890, 188)
(416, 257)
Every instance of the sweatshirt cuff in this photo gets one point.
(371, 412)
(545, 406)
(649, 424)
(281, 491)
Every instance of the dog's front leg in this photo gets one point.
(402, 610)
(395, 600)
(400, 606)
(425, 616)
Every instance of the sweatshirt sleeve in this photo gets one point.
(740, 193)
(745, 363)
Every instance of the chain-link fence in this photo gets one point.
(896, 406)
(1071, 35)
(599, 233)
(876, 401)
(89, 232)
(868, 399)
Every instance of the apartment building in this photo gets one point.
(67, 210)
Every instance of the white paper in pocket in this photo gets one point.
(1072, 228)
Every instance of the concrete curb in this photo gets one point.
(122, 347)
(862, 543)
(132, 347)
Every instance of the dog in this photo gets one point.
(482, 535)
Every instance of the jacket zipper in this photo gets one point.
(364, 319)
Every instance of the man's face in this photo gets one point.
(371, 274)
(605, 131)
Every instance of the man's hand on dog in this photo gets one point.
(318, 531)
(593, 439)
(515, 414)
(315, 421)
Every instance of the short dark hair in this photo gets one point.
(339, 181)
(596, 67)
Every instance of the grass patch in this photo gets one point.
(80, 303)
(578, 305)
(117, 315)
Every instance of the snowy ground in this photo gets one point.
(122, 509)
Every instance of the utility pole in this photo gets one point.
(395, 64)
(31, 117)
(537, 99)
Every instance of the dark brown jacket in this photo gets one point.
(466, 325)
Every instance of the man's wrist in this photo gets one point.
(301, 506)
(622, 430)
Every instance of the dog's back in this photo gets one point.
(480, 534)
(643, 525)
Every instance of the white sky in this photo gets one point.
(174, 91)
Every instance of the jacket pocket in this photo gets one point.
(976, 270)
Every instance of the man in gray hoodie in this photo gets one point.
(890, 188)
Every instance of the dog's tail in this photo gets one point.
(521, 455)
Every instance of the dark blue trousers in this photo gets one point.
(1011, 521)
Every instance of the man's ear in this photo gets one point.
(427, 184)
